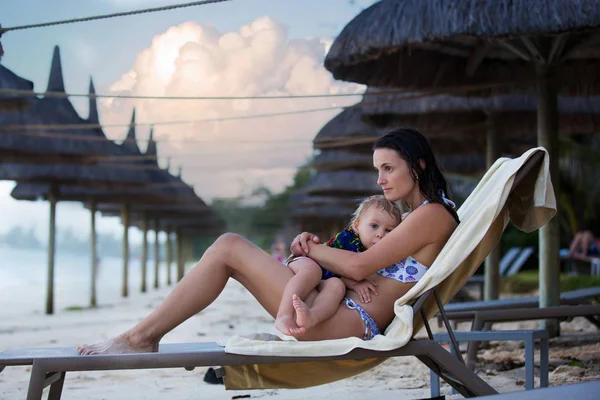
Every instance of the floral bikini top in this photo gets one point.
(409, 269)
(405, 271)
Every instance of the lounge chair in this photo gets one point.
(579, 391)
(571, 297)
(484, 319)
(575, 303)
(510, 264)
(517, 199)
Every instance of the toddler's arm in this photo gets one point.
(362, 288)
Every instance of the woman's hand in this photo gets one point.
(362, 288)
(299, 246)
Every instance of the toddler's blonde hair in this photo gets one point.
(380, 201)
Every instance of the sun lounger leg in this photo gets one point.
(529, 366)
(474, 346)
(434, 384)
(594, 320)
(453, 371)
(36, 382)
(56, 387)
(544, 362)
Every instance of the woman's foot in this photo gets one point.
(304, 317)
(122, 344)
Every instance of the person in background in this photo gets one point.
(278, 251)
(584, 246)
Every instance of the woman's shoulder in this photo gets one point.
(436, 216)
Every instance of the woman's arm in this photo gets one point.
(299, 246)
(429, 224)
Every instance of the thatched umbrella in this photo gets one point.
(162, 190)
(323, 215)
(14, 102)
(508, 122)
(347, 130)
(27, 136)
(335, 159)
(55, 175)
(144, 214)
(552, 47)
(344, 183)
(167, 195)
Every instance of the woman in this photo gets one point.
(407, 171)
(584, 246)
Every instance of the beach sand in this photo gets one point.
(236, 312)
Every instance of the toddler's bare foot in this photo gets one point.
(122, 344)
(286, 324)
(304, 317)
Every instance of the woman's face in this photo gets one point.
(394, 174)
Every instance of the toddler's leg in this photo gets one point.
(307, 275)
(326, 303)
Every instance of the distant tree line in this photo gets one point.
(262, 220)
(68, 241)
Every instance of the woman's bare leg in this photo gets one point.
(326, 303)
(575, 247)
(581, 244)
(230, 256)
(307, 275)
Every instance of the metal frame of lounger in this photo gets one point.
(464, 311)
(485, 319)
(49, 365)
(530, 337)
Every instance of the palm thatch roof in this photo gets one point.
(513, 115)
(14, 102)
(39, 144)
(78, 175)
(170, 190)
(342, 159)
(347, 130)
(99, 176)
(327, 207)
(308, 200)
(178, 199)
(424, 44)
(344, 183)
(324, 213)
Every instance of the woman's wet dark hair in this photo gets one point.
(412, 146)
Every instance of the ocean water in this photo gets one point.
(23, 280)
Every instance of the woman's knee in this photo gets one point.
(224, 245)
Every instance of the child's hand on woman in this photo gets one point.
(363, 289)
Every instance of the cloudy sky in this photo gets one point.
(237, 48)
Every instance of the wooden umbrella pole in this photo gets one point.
(549, 234)
(179, 254)
(144, 260)
(125, 221)
(156, 253)
(169, 254)
(492, 261)
(93, 255)
(52, 198)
